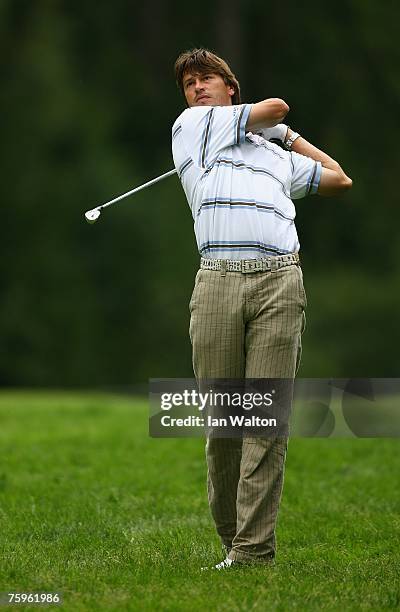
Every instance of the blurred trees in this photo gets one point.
(87, 103)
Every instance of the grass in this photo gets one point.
(94, 508)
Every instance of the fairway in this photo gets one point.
(91, 507)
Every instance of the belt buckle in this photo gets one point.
(274, 264)
(249, 265)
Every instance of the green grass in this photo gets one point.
(92, 507)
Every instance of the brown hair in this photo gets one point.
(200, 61)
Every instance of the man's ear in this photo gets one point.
(231, 91)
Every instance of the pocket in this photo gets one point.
(198, 277)
(303, 323)
(197, 282)
(302, 291)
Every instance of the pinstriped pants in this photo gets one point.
(247, 326)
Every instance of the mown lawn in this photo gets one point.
(94, 508)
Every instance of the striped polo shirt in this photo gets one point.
(239, 186)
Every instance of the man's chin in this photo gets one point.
(205, 102)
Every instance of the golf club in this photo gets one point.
(91, 216)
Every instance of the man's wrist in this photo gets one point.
(291, 137)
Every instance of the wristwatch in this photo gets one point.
(289, 141)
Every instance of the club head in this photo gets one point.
(91, 216)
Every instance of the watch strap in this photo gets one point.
(289, 141)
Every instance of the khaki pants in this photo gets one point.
(247, 326)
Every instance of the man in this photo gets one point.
(247, 307)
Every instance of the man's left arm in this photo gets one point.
(333, 179)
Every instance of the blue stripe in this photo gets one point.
(317, 178)
(186, 164)
(311, 178)
(254, 250)
(212, 114)
(222, 199)
(242, 126)
(241, 165)
(238, 118)
(242, 250)
(176, 131)
(204, 138)
(255, 207)
(240, 245)
(250, 243)
(219, 201)
(234, 125)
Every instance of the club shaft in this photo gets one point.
(128, 193)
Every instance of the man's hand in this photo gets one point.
(266, 114)
(278, 132)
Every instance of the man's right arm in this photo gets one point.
(267, 113)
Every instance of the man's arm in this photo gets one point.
(333, 179)
(266, 114)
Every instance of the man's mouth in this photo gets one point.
(202, 97)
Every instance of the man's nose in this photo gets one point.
(199, 84)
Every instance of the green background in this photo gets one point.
(87, 103)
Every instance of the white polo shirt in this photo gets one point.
(239, 186)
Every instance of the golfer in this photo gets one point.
(247, 307)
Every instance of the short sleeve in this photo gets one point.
(207, 130)
(306, 174)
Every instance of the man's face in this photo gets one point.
(208, 89)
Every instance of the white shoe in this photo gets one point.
(225, 564)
